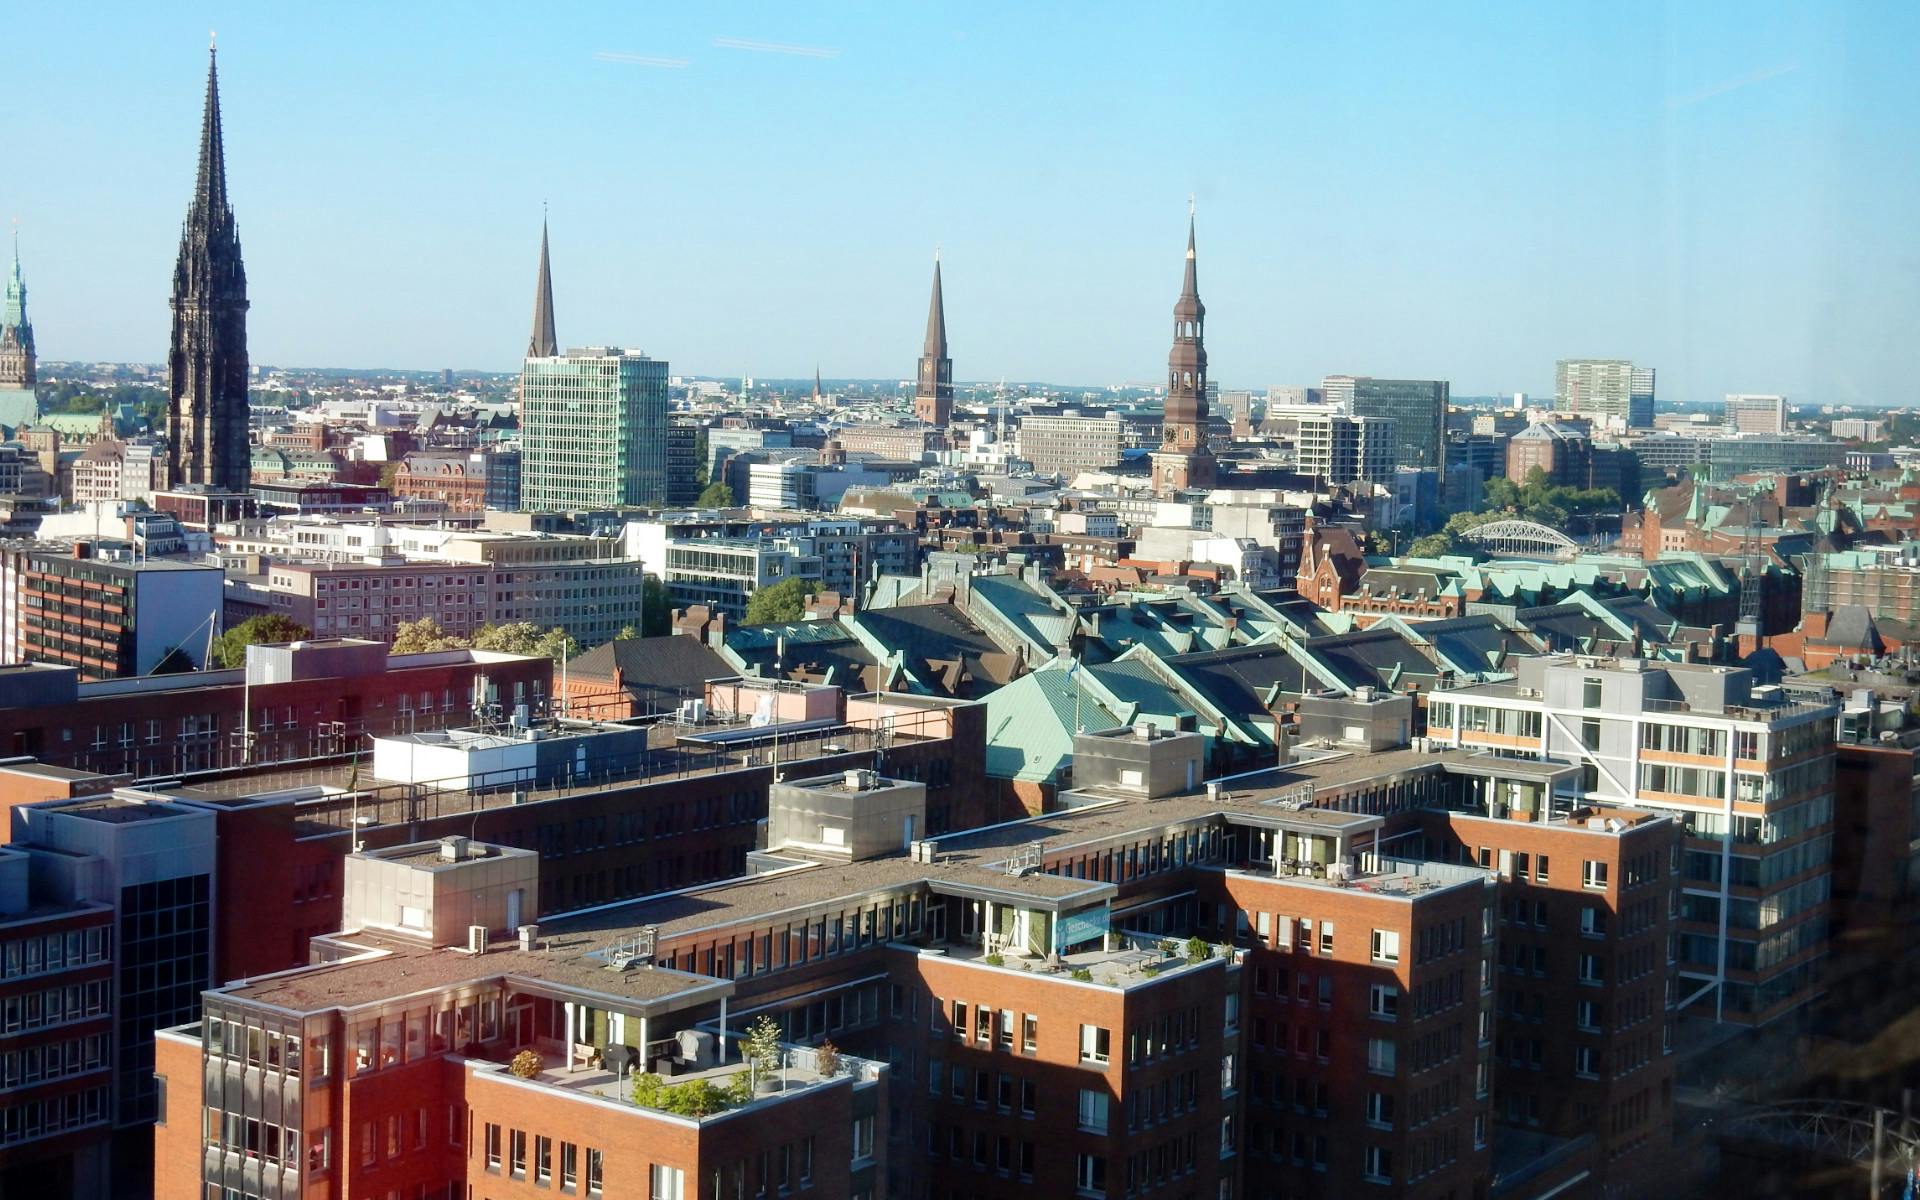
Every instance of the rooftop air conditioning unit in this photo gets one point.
(476, 939)
(453, 849)
(528, 935)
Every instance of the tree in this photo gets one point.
(524, 637)
(1378, 542)
(425, 636)
(717, 495)
(389, 473)
(627, 634)
(656, 617)
(1432, 546)
(784, 601)
(762, 1043)
(231, 648)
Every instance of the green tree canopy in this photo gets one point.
(424, 636)
(716, 495)
(524, 637)
(656, 617)
(784, 601)
(231, 648)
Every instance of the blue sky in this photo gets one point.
(1727, 192)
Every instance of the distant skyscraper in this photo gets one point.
(1417, 408)
(593, 422)
(18, 404)
(933, 390)
(1183, 460)
(207, 441)
(593, 430)
(1606, 389)
(1756, 414)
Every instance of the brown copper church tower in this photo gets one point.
(1183, 460)
(933, 390)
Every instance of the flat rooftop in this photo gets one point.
(392, 967)
(116, 811)
(331, 794)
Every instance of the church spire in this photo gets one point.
(210, 189)
(17, 369)
(933, 391)
(543, 343)
(207, 441)
(1184, 460)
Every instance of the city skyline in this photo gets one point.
(1725, 287)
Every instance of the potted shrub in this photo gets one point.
(648, 1089)
(994, 959)
(761, 1049)
(1083, 974)
(1198, 949)
(826, 1060)
(525, 1065)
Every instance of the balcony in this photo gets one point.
(1137, 960)
(714, 1092)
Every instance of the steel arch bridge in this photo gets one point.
(1521, 537)
(1836, 1129)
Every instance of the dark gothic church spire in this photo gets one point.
(933, 391)
(543, 343)
(207, 442)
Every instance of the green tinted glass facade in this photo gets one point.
(593, 431)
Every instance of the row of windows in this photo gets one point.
(53, 1060)
(53, 1006)
(812, 940)
(769, 1173)
(258, 1047)
(40, 1118)
(46, 953)
(541, 1166)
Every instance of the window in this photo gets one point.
(1090, 1174)
(1590, 733)
(1383, 1000)
(1093, 1110)
(960, 1020)
(1590, 693)
(596, 1173)
(1386, 945)
(569, 1165)
(1591, 970)
(1594, 875)
(1029, 1033)
(1380, 1109)
(1586, 1014)
(1326, 937)
(1585, 1062)
(1540, 869)
(1379, 1164)
(542, 1160)
(1095, 1043)
(493, 1146)
(1381, 1055)
(517, 1152)
(1593, 921)
(669, 1183)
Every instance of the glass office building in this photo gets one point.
(593, 430)
(1417, 408)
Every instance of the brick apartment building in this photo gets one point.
(61, 602)
(1748, 772)
(304, 700)
(1045, 1026)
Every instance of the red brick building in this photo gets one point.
(301, 701)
